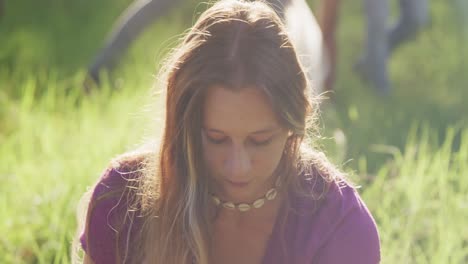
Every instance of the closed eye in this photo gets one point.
(262, 142)
(217, 140)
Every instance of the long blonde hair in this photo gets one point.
(236, 44)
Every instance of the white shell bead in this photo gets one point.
(271, 194)
(216, 200)
(259, 203)
(229, 205)
(243, 207)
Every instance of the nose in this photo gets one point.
(238, 163)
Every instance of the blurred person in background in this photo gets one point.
(382, 38)
(299, 19)
(328, 19)
(133, 21)
(234, 178)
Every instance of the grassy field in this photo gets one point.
(409, 151)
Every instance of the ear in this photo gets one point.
(289, 140)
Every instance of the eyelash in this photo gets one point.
(221, 141)
(216, 141)
(262, 143)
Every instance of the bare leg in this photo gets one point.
(328, 18)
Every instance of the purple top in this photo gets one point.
(341, 230)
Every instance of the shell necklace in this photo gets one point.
(243, 207)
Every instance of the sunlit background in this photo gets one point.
(407, 150)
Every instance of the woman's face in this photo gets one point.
(242, 142)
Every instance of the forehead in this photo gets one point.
(238, 111)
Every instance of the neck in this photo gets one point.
(223, 195)
(266, 213)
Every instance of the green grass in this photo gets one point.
(409, 151)
(420, 200)
(48, 162)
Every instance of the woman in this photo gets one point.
(233, 180)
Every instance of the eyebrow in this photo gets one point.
(261, 131)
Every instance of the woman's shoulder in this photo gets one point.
(335, 219)
(321, 181)
(340, 223)
(107, 219)
(123, 171)
(347, 226)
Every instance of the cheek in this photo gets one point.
(212, 157)
(267, 159)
